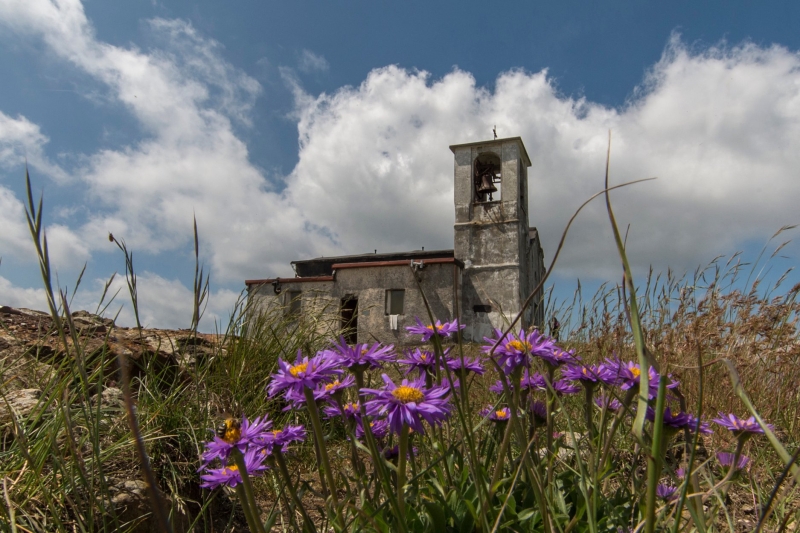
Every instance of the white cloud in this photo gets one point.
(22, 141)
(311, 62)
(718, 127)
(163, 303)
(14, 296)
(15, 240)
(191, 163)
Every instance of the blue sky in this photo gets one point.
(298, 129)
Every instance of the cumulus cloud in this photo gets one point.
(190, 163)
(719, 127)
(14, 296)
(22, 141)
(163, 303)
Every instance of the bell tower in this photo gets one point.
(502, 256)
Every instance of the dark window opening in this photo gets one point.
(293, 303)
(481, 308)
(350, 319)
(395, 299)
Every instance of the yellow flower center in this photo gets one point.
(352, 405)
(296, 369)
(585, 371)
(502, 413)
(407, 394)
(439, 327)
(636, 372)
(364, 351)
(424, 357)
(230, 469)
(518, 345)
(329, 386)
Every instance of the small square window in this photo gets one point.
(293, 301)
(395, 298)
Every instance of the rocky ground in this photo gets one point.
(32, 352)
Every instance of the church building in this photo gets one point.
(495, 263)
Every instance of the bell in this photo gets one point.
(486, 185)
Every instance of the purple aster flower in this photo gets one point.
(282, 438)
(702, 427)
(555, 356)
(607, 402)
(675, 421)
(230, 475)
(667, 493)
(352, 411)
(726, 459)
(590, 375)
(497, 388)
(680, 473)
(514, 351)
(443, 330)
(409, 403)
(533, 381)
(304, 373)
(421, 360)
(502, 414)
(739, 426)
(363, 355)
(327, 391)
(379, 428)
(629, 374)
(564, 387)
(539, 411)
(240, 435)
(294, 399)
(469, 365)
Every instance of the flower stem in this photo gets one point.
(245, 492)
(377, 456)
(656, 457)
(309, 525)
(401, 469)
(323, 450)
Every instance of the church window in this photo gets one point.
(395, 298)
(293, 301)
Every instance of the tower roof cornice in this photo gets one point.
(494, 142)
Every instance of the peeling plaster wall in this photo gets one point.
(369, 285)
(323, 300)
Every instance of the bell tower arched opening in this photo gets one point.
(488, 179)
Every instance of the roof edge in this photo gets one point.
(249, 282)
(402, 262)
(525, 156)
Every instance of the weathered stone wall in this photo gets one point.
(491, 238)
(318, 302)
(368, 284)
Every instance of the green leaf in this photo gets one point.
(437, 515)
